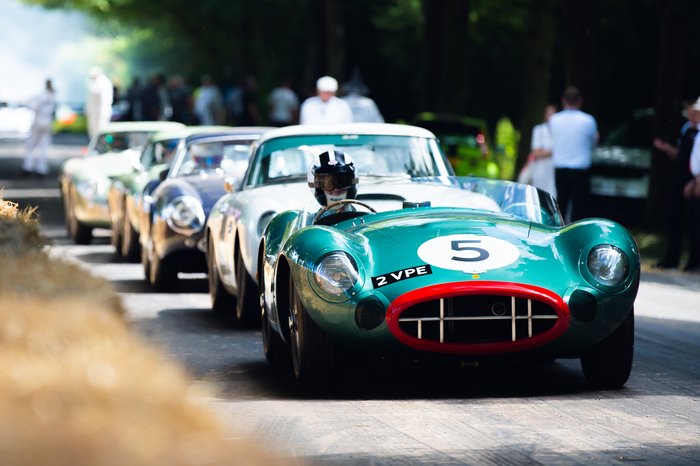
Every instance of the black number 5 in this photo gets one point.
(459, 245)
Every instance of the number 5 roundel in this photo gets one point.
(468, 253)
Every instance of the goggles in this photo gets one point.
(333, 181)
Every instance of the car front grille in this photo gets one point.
(477, 319)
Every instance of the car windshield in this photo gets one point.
(214, 157)
(119, 141)
(287, 159)
(501, 197)
(158, 152)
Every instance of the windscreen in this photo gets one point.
(214, 157)
(288, 159)
(120, 141)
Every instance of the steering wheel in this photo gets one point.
(324, 209)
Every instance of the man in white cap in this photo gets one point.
(325, 107)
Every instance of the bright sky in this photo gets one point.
(36, 44)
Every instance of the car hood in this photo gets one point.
(107, 165)
(208, 189)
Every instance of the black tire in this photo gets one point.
(162, 277)
(115, 240)
(222, 302)
(130, 241)
(609, 363)
(79, 233)
(313, 353)
(276, 352)
(247, 305)
(146, 263)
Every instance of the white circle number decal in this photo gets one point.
(469, 253)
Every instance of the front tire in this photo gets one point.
(609, 363)
(162, 277)
(79, 233)
(130, 241)
(246, 302)
(222, 302)
(313, 353)
(276, 352)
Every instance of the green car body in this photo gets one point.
(473, 280)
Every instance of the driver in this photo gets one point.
(207, 156)
(332, 177)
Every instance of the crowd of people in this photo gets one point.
(174, 98)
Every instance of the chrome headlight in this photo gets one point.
(88, 188)
(608, 264)
(185, 215)
(336, 273)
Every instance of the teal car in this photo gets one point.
(84, 181)
(125, 195)
(454, 267)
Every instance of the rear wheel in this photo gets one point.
(246, 303)
(222, 302)
(313, 353)
(609, 363)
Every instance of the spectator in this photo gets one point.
(325, 107)
(539, 166)
(363, 108)
(180, 99)
(251, 112)
(44, 107)
(209, 103)
(679, 208)
(283, 105)
(134, 95)
(98, 106)
(574, 134)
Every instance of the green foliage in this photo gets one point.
(507, 138)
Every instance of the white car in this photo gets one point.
(276, 180)
(84, 181)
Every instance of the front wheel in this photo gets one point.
(608, 364)
(313, 353)
(222, 302)
(130, 241)
(276, 352)
(246, 302)
(161, 276)
(79, 233)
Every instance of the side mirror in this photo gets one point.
(230, 184)
(163, 174)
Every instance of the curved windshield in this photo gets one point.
(214, 157)
(119, 141)
(504, 198)
(158, 152)
(287, 159)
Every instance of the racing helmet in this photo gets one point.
(207, 156)
(332, 171)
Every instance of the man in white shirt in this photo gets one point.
(98, 107)
(574, 134)
(44, 107)
(325, 107)
(541, 167)
(283, 104)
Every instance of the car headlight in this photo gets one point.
(336, 273)
(185, 215)
(608, 264)
(88, 188)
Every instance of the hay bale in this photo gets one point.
(19, 230)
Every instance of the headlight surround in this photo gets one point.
(608, 264)
(185, 215)
(336, 273)
(88, 188)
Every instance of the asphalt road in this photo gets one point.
(415, 414)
